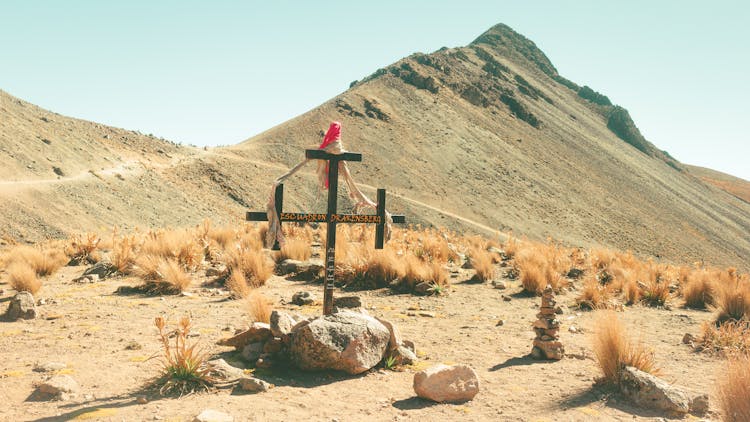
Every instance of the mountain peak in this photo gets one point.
(506, 41)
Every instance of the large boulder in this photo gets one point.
(345, 341)
(21, 306)
(649, 391)
(281, 323)
(444, 383)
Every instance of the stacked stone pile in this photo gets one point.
(547, 343)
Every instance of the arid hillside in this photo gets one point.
(734, 185)
(492, 133)
(478, 138)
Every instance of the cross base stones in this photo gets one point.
(547, 343)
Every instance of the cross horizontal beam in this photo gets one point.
(323, 218)
(319, 154)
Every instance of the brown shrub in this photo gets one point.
(698, 291)
(80, 248)
(237, 284)
(536, 270)
(733, 301)
(258, 307)
(23, 278)
(632, 293)
(162, 275)
(123, 254)
(729, 339)
(734, 390)
(254, 265)
(294, 248)
(614, 350)
(482, 262)
(594, 295)
(44, 262)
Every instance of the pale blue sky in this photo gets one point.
(218, 72)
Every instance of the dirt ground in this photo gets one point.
(92, 330)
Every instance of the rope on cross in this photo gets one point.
(331, 218)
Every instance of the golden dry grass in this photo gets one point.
(734, 390)
(23, 278)
(540, 265)
(237, 284)
(482, 262)
(82, 249)
(123, 255)
(614, 350)
(295, 248)
(698, 291)
(258, 307)
(729, 339)
(594, 295)
(254, 265)
(162, 275)
(733, 301)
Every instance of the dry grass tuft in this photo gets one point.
(82, 249)
(123, 254)
(734, 390)
(237, 284)
(162, 275)
(298, 249)
(699, 290)
(23, 278)
(258, 307)
(728, 339)
(594, 295)
(540, 265)
(482, 262)
(614, 350)
(253, 264)
(733, 301)
(184, 368)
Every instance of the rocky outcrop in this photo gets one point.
(21, 306)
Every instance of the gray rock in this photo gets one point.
(395, 340)
(649, 391)
(499, 284)
(210, 415)
(423, 288)
(404, 356)
(303, 298)
(61, 387)
(309, 268)
(281, 323)
(409, 345)
(50, 367)
(21, 306)
(254, 385)
(223, 371)
(345, 341)
(89, 278)
(258, 332)
(699, 404)
(289, 266)
(101, 269)
(252, 351)
(443, 383)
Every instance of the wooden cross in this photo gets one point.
(331, 218)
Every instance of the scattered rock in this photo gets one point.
(141, 400)
(252, 351)
(224, 372)
(500, 323)
(133, 345)
(258, 332)
(395, 340)
(89, 278)
(573, 329)
(409, 345)
(61, 387)
(404, 356)
(216, 271)
(303, 298)
(699, 405)
(507, 298)
(254, 385)
(50, 367)
(210, 415)
(649, 391)
(307, 269)
(426, 314)
(349, 302)
(499, 284)
(423, 288)
(688, 338)
(443, 383)
(101, 269)
(345, 341)
(21, 306)
(281, 323)
(575, 273)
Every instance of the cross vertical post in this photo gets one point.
(278, 200)
(333, 187)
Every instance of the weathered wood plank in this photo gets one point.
(318, 154)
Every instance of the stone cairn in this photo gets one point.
(547, 343)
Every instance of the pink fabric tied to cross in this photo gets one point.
(332, 135)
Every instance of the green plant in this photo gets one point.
(390, 362)
(184, 366)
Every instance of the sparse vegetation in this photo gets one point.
(258, 307)
(734, 390)
(23, 278)
(614, 350)
(184, 368)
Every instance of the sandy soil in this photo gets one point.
(89, 327)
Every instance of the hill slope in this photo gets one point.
(734, 185)
(477, 138)
(491, 132)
